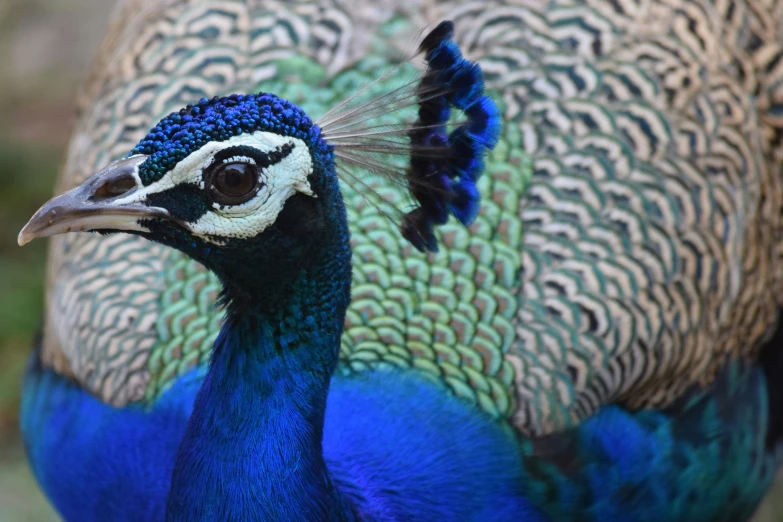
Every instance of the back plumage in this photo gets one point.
(596, 345)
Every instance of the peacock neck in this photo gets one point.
(252, 449)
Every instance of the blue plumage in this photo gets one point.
(443, 55)
(618, 465)
(484, 121)
(465, 200)
(367, 419)
(702, 459)
(119, 460)
(465, 81)
(467, 159)
(442, 174)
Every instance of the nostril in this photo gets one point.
(115, 187)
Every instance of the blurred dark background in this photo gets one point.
(45, 51)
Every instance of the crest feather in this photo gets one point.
(445, 159)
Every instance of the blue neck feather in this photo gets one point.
(252, 447)
(253, 443)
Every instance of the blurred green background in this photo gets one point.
(45, 51)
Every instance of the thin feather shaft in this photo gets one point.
(396, 176)
(367, 192)
(395, 128)
(397, 91)
(383, 107)
(434, 152)
(401, 131)
(407, 57)
(325, 120)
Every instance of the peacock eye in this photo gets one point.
(234, 183)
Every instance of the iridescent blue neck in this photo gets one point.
(252, 447)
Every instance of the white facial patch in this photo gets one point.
(279, 182)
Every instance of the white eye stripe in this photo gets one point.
(223, 222)
(240, 159)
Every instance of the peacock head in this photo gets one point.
(248, 184)
(229, 181)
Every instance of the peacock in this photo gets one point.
(525, 264)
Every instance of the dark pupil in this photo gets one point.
(236, 179)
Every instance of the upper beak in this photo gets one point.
(103, 202)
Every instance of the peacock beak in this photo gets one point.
(100, 203)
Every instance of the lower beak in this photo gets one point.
(103, 202)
